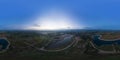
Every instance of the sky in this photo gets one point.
(59, 14)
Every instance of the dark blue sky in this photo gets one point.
(97, 14)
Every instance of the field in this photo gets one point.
(19, 50)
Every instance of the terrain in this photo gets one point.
(55, 45)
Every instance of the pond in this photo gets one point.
(99, 42)
(60, 43)
(4, 44)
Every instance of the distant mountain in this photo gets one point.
(109, 27)
(10, 27)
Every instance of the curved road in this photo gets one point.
(65, 40)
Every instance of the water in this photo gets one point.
(60, 43)
(99, 42)
(4, 43)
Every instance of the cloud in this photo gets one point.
(55, 19)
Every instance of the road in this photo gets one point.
(66, 39)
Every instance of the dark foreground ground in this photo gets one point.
(62, 58)
(18, 50)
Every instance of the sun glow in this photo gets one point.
(54, 20)
(52, 25)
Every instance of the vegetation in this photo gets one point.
(21, 51)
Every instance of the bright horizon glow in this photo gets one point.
(54, 20)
